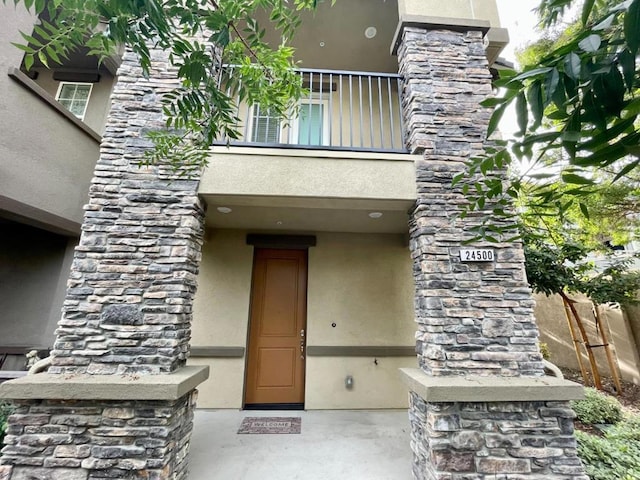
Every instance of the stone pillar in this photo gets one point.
(481, 407)
(118, 400)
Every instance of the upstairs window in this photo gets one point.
(75, 97)
(310, 127)
(265, 125)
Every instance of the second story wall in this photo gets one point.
(46, 159)
(95, 116)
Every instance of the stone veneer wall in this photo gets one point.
(79, 440)
(127, 311)
(522, 439)
(129, 299)
(475, 320)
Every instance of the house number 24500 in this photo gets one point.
(477, 255)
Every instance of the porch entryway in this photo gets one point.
(333, 444)
(275, 363)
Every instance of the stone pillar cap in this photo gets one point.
(48, 386)
(437, 23)
(475, 388)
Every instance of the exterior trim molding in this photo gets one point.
(360, 351)
(217, 352)
(299, 242)
(474, 388)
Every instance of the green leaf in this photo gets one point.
(571, 136)
(28, 61)
(457, 178)
(627, 61)
(53, 55)
(572, 66)
(591, 43)
(492, 102)
(604, 24)
(550, 85)
(42, 32)
(586, 10)
(31, 40)
(632, 26)
(495, 119)
(532, 73)
(584, 210)
(24, 48)
(534, 97)
(522, 113)
(628, 168)
(609, 134)
(576, 179)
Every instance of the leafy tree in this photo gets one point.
(577, 108)
(606, 216)
(200, 36)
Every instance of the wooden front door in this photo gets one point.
(277, 329)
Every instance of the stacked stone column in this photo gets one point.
(118, 401)
(481, 407)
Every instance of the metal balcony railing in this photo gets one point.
(343, 110)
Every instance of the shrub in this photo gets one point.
(597, 408)
(5, 411)
(544, 350)
(616, 456)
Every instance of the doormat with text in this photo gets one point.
(270, 425)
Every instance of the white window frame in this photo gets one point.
(295, 124)
(290, 128)
(63, 84)
(250, 122)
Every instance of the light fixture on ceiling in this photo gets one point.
(375, 215)
(322, 44)
(279, 222)
(370, 32)
(224, 210)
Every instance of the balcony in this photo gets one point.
(341, 110)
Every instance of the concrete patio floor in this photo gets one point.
(333, 444)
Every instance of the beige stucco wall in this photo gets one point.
(458, 9)
(362, 283)
(554, 331)
(46, 163)
(458, 12)
(33, 267)
(625, 344)
(309, 175)
(221, 314)
(99, 100)
(374, 385)
(221, 306)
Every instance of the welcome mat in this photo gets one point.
(270, 425)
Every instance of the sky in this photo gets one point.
(517, 16)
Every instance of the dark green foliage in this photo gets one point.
(597, 408)
(577, 109)
(200, 36)
(5, 411)
(563, 267)
(616, 456)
